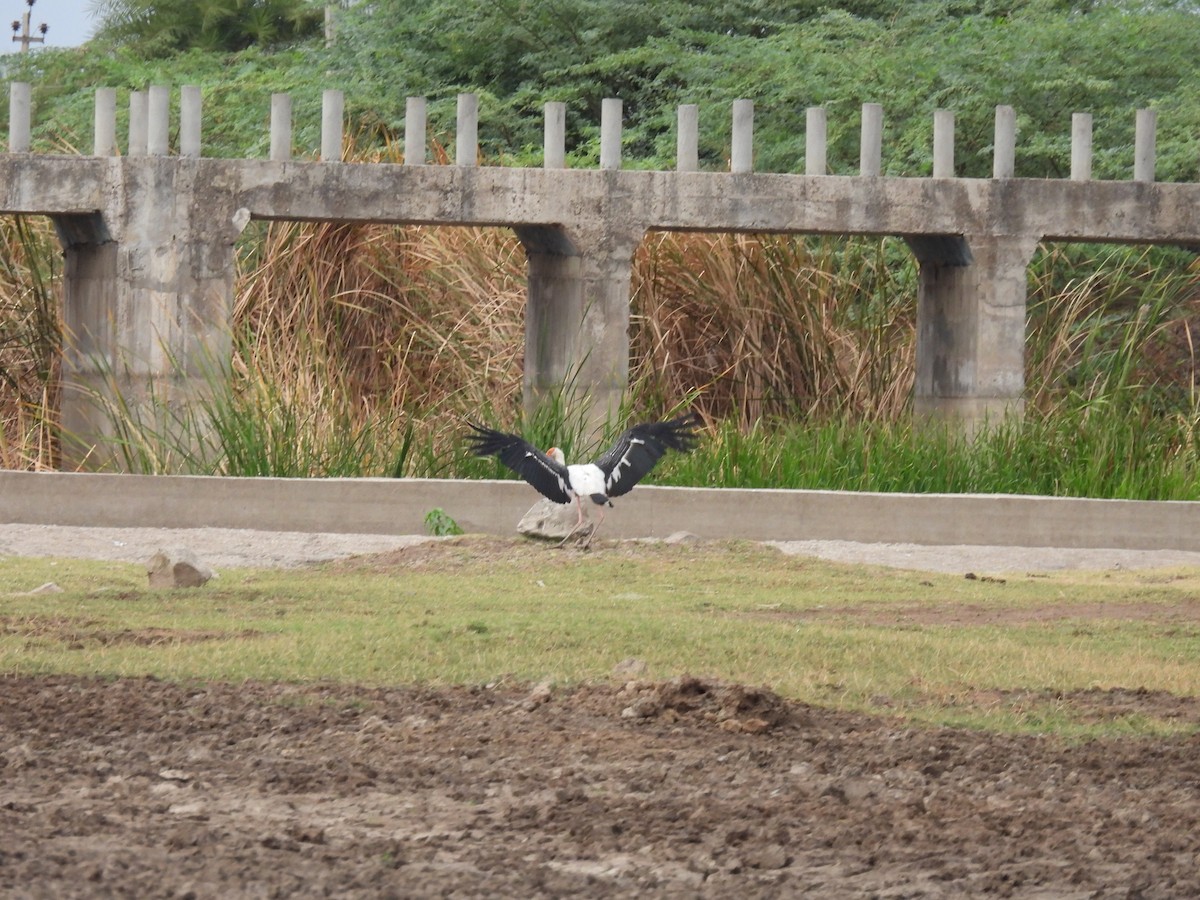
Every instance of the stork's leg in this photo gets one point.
(578, 522)
(592, 534)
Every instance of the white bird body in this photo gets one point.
(615, 473)
(584, 479)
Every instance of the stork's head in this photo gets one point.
(557, 455)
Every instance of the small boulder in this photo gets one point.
(681, 537)
(550, 521)
(177, 568)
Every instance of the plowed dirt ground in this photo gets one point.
(137, 788)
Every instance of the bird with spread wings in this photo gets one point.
(626, 463)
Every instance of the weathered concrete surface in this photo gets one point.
(399, 506)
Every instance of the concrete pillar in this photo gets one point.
(189, 121)
(815, 141)
(281, 127)
(943, 143)
(333, 107)
(1144, 145)
(148, 296)
(554, 140)
(687, 138)
(414, 131)
(466, 141)
(105, 124)
(1004, 158)
(741, 156)
(870, 152)
(139, 112)
(19, 107)
(1081, 147)
(971, 327)
(610, 133)
(158, 132)
(577, 318)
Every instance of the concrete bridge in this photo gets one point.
(149, 237)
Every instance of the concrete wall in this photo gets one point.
(399, 506)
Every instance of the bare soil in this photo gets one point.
(686, 788)
(679, 789)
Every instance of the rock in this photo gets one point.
(177, 568)
(48, 588)
(772, 856)
(630, 666)
(681, 537)
(550, 521)
(540, 694)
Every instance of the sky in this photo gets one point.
(70, 21)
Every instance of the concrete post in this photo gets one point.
(148, 296)
(189, 121)
(414, 131)
(1144, 146)
(18, 117)
(105, 130)
(870, 154)
(815, 141)
(943, 143)
(281, 127)
(577, 318)
(610, 133)
(971, 328)
(333, 107)
(687, 138)
(139, 112)
(1004, 158)
(158, 134)
(1081, 147)
(741, 156)
(466, 142)
(554, 141)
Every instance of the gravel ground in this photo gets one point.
(234, 547)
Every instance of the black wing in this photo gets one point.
(522, 457)
(638, 449)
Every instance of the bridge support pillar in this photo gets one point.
(577, 320)
(970, 354)
(147, 307)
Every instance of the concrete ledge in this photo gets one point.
(399, 506)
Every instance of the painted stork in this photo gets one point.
(615, 473)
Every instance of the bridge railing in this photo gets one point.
(150, 129)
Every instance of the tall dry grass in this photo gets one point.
(774, 326)
(30, 338)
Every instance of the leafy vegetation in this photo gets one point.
(1046, 58)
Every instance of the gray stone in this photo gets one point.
(177, 568)
(550, 521)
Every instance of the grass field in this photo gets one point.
(992, 653)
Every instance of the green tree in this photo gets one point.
(158, 28)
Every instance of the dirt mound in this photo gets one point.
(732, 707)
(135, 787)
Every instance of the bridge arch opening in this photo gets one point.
(775, 326)
(1113, 324)
(31, 326)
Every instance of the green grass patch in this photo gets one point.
(931, 648)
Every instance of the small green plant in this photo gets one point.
(439, 524)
